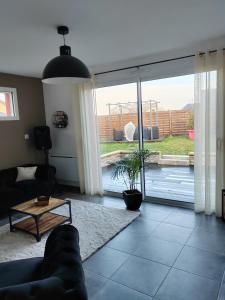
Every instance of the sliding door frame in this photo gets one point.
(140, 131)
(150, 199)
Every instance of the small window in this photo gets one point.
(8, 104)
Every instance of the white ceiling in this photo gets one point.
(102, 31)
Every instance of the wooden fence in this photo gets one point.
(172, 122)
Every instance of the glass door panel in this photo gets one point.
(118, 129)
(168, 132)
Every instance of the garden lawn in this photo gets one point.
(172, 145)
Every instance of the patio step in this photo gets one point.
(174, 160)
(175, 157)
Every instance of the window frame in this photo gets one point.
(14, 103)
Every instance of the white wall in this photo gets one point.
(63, 154)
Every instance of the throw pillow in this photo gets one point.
(26, 173)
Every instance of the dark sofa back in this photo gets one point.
(8, 176)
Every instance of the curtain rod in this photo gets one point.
(154, 63)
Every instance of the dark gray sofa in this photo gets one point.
(59, 275)
(13, 193)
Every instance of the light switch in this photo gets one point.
(26, 136)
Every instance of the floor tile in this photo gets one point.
(159, 250)
(126, 241)
(142, 275)
(143, 227)
(211, 241)
(201, 262)
(180, 285)
(172, 233)
(212, 224)
(115, 291)
(161, 207)
(221, 295)
(106, 261)
(190, 220)
(156, 214)
(94, 283)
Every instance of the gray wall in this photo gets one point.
(14, 149)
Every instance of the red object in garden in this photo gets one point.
(191, 134)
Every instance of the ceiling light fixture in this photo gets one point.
(65, 68)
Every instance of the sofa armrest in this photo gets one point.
(62, 259)
(50, 288)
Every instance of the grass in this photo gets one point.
(173, 145)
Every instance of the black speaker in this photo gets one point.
(42, 138)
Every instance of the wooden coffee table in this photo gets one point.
(40, 219)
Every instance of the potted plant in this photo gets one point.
(129, 169)
(191, 131)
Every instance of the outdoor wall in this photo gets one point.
(173, 122)
(14, 149)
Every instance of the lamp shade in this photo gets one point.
(65, 68)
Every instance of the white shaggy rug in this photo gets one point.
(96, 224)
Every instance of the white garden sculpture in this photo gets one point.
(129, 130)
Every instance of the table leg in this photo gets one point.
(10, 222)
(70, 219)
(38, 236)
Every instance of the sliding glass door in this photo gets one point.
(168, 132)
(118, 129)
(163, 110)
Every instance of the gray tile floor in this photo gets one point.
(168, 253)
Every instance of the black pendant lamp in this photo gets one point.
(65, 68)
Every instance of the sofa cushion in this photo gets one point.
(33, 188)
(19, 271)
(47, 289)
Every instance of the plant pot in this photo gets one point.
(132, 199)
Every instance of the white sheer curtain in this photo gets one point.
(90, 173)
(209, 130)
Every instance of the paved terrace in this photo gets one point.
(169, 182)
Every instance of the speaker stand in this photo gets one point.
(46, 157)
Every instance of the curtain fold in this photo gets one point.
(209, 129)
(87, 140)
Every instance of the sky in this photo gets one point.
(172, 93)
(2, 97)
